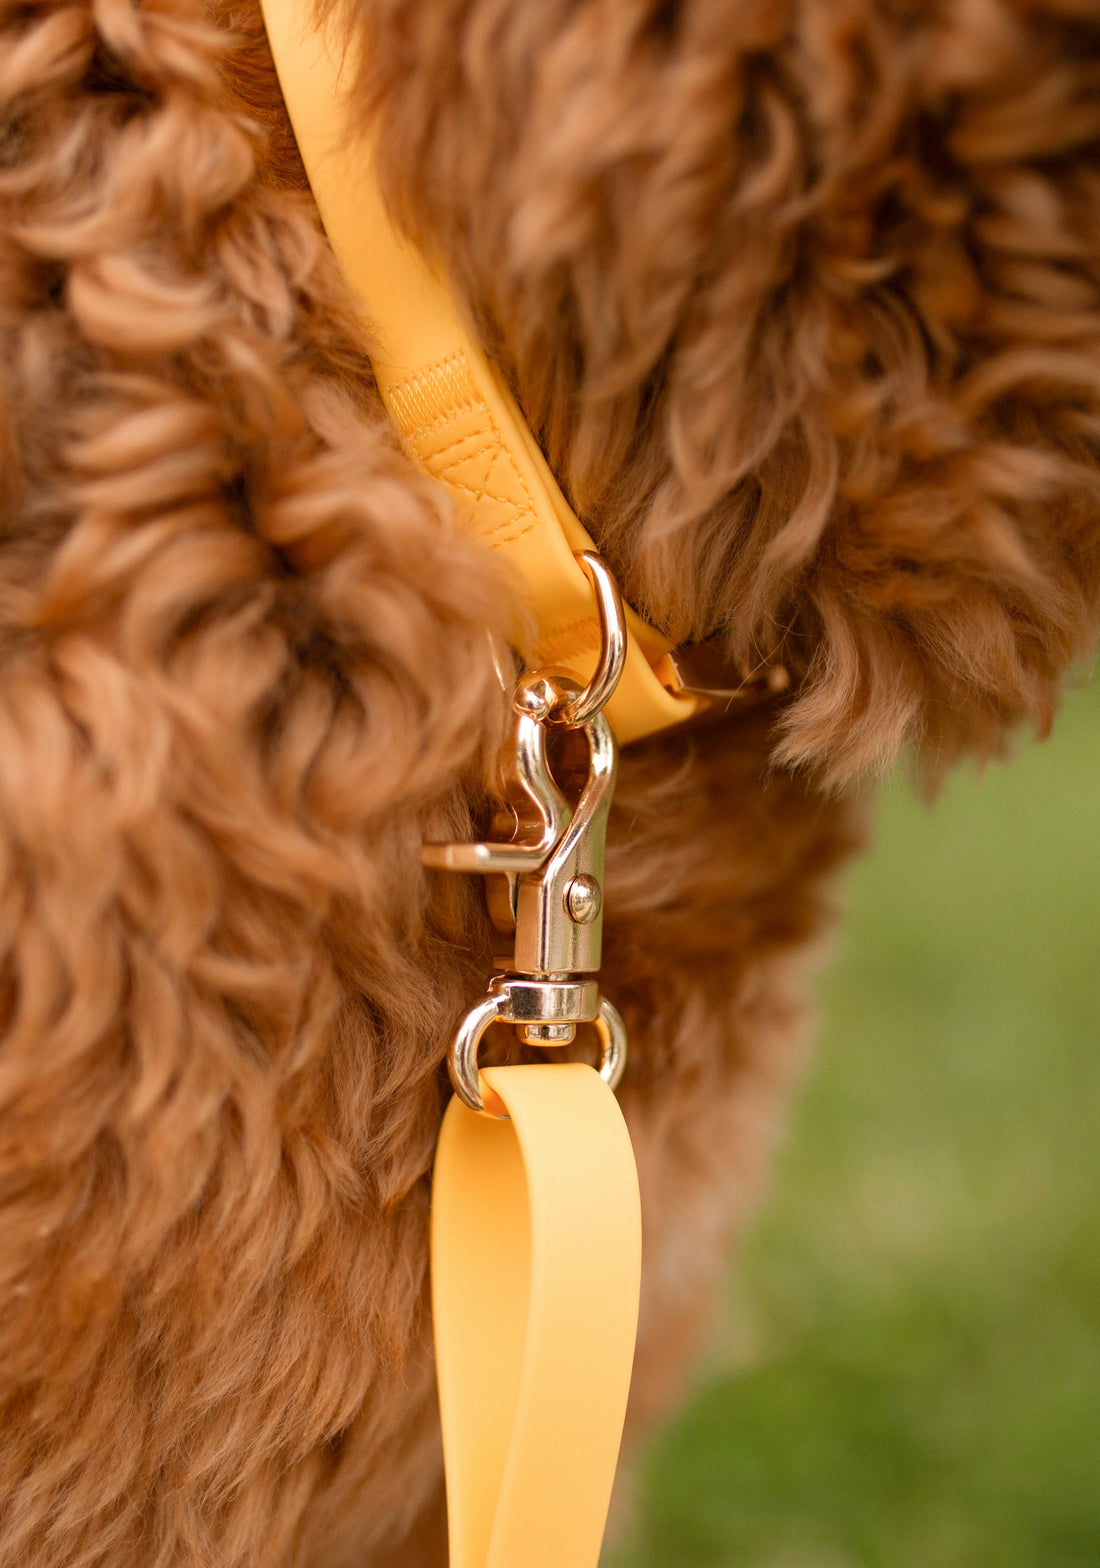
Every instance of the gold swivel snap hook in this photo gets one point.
(546, 869)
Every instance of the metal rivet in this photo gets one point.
(583, 899)
(534, 696)
(548, 1034)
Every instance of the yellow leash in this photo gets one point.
(536, 1230)
(536, 1252)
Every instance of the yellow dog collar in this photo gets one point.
(456, 419)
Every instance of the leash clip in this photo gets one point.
(545, 871)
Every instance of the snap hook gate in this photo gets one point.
(545, 871)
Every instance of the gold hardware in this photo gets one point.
(581, 1000)
(546, 869)
(583, 899)
(702, 669)
(609, 602)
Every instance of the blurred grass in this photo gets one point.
(910, 1376)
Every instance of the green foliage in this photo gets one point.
(911, 1375)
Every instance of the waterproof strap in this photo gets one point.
(455, 417)
(536, 1258)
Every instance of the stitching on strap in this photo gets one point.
(520, 515)
(432, 396)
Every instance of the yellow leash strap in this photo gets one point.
(455, 417)
(536, 1228)
(536, 1256)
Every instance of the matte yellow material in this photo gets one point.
(455, 417)
(536, 1258)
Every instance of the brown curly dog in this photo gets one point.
(802, 301)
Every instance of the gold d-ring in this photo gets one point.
(587, 703)
(498, 1007)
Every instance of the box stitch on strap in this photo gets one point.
(427, 404)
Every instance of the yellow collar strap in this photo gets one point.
(455, 417)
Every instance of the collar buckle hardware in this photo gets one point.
(546, 867)
(702, 669)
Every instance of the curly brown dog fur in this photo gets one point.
(803, 302)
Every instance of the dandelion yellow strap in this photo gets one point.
(536, 1253)
(455, 417)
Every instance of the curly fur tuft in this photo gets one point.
(804, 304)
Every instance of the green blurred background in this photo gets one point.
(908, 1373)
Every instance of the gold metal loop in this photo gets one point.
(462, 1061)
(580, 709)
(612, 1033)
(510, 1001)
